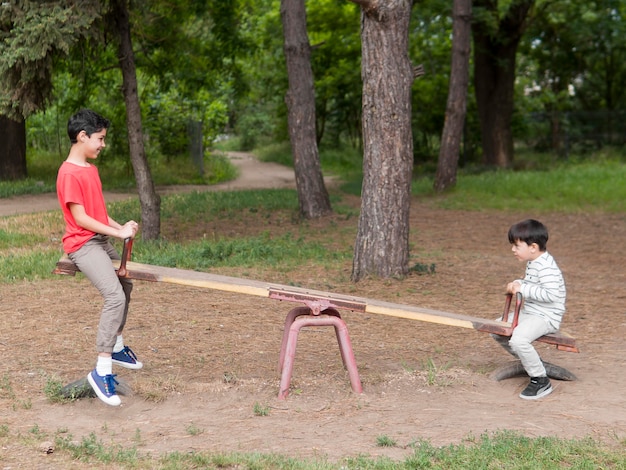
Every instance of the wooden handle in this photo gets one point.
(126, 253)
(507, 307)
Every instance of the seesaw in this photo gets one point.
(322, 309)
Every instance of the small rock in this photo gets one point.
(46, 447)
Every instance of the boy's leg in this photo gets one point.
(94, 261)
(122, 354)
(504, 342)
(529, 328)
(127, 284)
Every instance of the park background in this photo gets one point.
(212, 76)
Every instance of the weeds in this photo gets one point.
(194, 430)
(385, 441)
(260, 410)
(434, 374)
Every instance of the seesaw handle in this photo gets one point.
(507, 307)
(126, 253)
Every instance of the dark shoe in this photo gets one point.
(104, 387)
(126, 358)
(537, 388)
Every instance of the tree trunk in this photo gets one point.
(382, 242)
(312, 195)
(148, 197)
(12, 149)
(457, 96)
(494, 78)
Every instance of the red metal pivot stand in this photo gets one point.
(300, 317)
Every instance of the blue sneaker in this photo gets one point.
(126, 358)
(104, 387)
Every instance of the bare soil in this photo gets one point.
(210, 380)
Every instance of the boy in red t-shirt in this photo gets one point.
(86, 241)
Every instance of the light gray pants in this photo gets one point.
(529, 328)
(94, 261)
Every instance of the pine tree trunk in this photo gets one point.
(12, 149)
(382, 243)
(312, 195)
(494, 78)
(148, 197)
(457, 96)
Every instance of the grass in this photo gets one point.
(573, 188)
(503, 449)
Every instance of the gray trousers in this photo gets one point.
(529, 328)
(94, 261)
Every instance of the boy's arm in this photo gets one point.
(114, 224)
(547, 288)
(128, 230)
(543, 292)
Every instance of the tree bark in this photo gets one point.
(457, 96)
(148, 197)
(494, 78)
(12, 149)
(312, 194)
(382, 242)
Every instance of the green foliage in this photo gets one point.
(336, 62)
(32, 34)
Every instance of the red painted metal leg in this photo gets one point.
(347, 355)
(291, 317)
(345, 346)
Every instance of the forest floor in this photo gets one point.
(210, 378)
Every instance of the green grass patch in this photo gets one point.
(284, 251)
(586, 187)
(26, 186)
(200, 205)
(10, 239)
(28, 265)
(504, 449)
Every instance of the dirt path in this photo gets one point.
(210, 379)
(253, 174)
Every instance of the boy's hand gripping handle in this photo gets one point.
(126, 252)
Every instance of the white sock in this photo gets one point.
(119, 344)
(104, 366)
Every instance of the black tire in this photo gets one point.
(515, 368)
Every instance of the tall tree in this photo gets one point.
(457, 96)
(497, 34)
(382, 242)
(12, 148)
(312, 195)
(32, 34)
(148, 197)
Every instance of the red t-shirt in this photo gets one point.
(80, 185)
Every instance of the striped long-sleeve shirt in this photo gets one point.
(543, 288)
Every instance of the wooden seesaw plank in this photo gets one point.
(316, 300)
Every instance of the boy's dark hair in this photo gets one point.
(85, 120)
(529, 231)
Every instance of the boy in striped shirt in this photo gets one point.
(543, 290)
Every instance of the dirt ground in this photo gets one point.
(210, 379)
